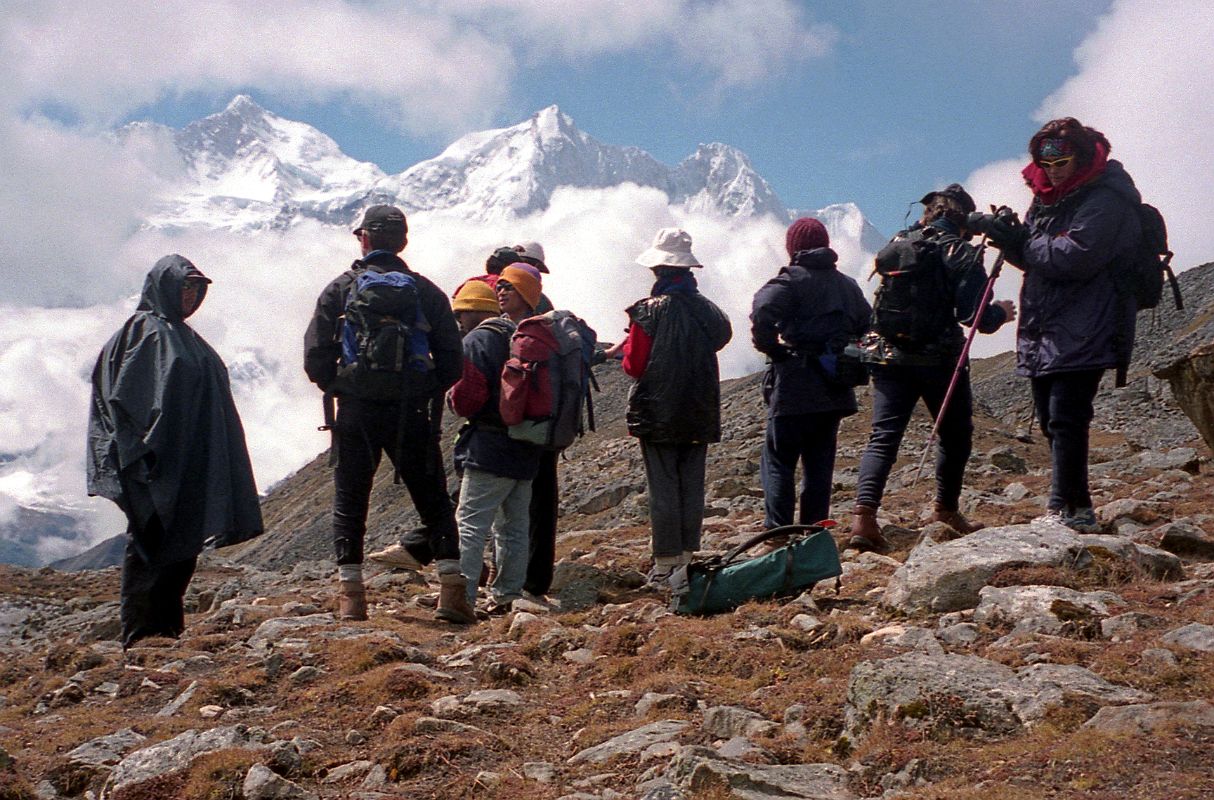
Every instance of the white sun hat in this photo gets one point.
(671, 248)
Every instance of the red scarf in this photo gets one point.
(1035, 177)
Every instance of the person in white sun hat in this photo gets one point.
(674, 408)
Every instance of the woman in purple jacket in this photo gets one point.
(1074, 322)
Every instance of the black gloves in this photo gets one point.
(1003, 229)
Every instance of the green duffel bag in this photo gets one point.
(723, 583)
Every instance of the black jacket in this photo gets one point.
(964, 280)
(164, 438)
(678, 398)
(809, 305)
(322, 345)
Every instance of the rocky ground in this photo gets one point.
(1022, 661)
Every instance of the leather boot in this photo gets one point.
(453, 600)
(865, 532)
(352, 601)
(954, 519)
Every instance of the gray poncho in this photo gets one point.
(164, 437)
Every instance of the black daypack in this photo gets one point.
(385, 349)
(913, 305)
(1143, 275)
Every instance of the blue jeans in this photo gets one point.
(1064, 408)
(896, 391)
(484, 498)
(810, 439)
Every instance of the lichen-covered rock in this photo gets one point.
(176, 754)
(1147, 718)
(948, 576)
(697, 768)
(631, 742)
(1049, 609)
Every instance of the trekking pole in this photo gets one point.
(987, 291)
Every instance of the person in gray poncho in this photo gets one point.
(165, 443)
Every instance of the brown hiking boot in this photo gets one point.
(865, 532)
(954, 519)
(352, 601)
(453, 600)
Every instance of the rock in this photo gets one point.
(607, 497)
(904, 638)
(739, 748)
(631, 742)
(1151, 560)
(210, 711)
(576, 585)
(176, 754)
(539, 771)
(352, 771)
(355, 737)
(1048, 686)
(261, 783)
(948, 576)
(488, 700)
(806, 622)
(1016, 492)
(699, 769)
(1151, 718)
(1123, 626)
(105, 751)
(1006, 459)
(284, 759)
(1159, 658)
(1049, 609)
(950, 689)
(1186, 539)
(305, 674)
(1128, 508)
(277, 628)
(1192, 380)
(522, 622)
(726, 722)
(652, 701)
(960, 634)
(1184, 458)
(1194, 636)
(580, 655)
(968, 692)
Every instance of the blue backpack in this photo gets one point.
(385, 347)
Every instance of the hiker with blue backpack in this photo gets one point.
(932, 281)
(383, 341)
(803, 320)
(674, 408)
(1079, 242)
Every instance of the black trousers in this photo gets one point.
(152, 596)
(896, 390)
(545, 506)
(1064, 409)
(365, 431)
(810, 439)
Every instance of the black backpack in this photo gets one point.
(913, 305)
(1144, 275)
(385, 349)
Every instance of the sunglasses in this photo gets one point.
(504, 286)
(1054, 163)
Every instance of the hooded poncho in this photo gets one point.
(164, 437)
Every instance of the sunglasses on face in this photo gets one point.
(504, 286)
(1054, 163)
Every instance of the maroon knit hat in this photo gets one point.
(806, 234)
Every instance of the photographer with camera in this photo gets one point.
(1075, 324)
(932, 281)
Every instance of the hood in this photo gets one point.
(1116, 178)
(162, 287)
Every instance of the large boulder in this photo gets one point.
(176, 754)
(1049, 609)
(700, 769)
(947, 576)
(1192, 380)
(972, 694)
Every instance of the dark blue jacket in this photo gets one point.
(1071, 314)
(809, 304)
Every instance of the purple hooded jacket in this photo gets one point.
(1071, 315)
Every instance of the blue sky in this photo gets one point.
(908, 96)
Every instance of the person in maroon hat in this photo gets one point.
(809, 309)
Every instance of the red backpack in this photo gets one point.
(546, 381)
